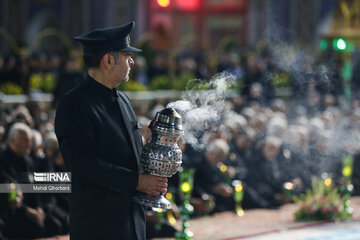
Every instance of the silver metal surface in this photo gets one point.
(162, 155)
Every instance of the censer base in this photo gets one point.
(154, 201)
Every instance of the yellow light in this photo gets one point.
(347, 171)
(159, 210)
(171, 218)
(185, 187)
(168, 195)
(239, 211)
(223, 168)
(238, 188)
(172, 221)
(327, 182)
(288, 185)
(163, 3)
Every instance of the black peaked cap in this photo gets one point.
(108, 39)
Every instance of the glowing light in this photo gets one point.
(288, 186)
(172, 220)
(238, 188)
(239, 211)
(341, 44)
(170, 217)
(163, 3)
(159, 210)
(223, 168)
(347, 171)
(185, 187)
(188, 5)
(327, 182)
(168, 195)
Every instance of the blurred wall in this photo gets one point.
(24, 20)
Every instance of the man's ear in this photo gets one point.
(107, 61)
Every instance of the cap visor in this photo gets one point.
(130, 49)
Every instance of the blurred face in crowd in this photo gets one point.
(258, 122)
(72, 65)
(323, 144)
(243, 141)
(21, 144)
(256, 90)
(271, 151)
(216, 157)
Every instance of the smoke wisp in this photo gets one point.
(203, 110)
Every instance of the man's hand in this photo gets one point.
(150, 184)
(202, 206)
(223, 190)
(37, 214)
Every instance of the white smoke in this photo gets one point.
(202, 110)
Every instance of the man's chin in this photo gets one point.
(126, 79)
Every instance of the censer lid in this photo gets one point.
(167, 120)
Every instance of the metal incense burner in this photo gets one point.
(162, 155)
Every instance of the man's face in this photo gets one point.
(21, 145)
(122, 68)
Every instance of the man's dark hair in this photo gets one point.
(92, 60)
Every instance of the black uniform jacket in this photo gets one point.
(101, 144)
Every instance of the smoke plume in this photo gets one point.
(203, 110)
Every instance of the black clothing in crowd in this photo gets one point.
(16, 222)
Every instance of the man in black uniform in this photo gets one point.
(100, 141)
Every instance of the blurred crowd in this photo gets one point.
(264, 141)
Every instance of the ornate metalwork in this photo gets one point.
(162, 155)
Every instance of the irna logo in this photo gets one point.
(52, 176)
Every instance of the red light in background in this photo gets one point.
(188, 5)
(163, 3)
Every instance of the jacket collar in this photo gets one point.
(100, 89)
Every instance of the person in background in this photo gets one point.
(70, 75)
(210, 180)
(24, 216)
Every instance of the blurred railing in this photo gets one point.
(283, 92)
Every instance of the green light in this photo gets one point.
(341, 44)
(185, 187)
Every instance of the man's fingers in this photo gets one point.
(161, 184)
(153, 185)
(161, 179)
(158, 191)
(163, 191)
